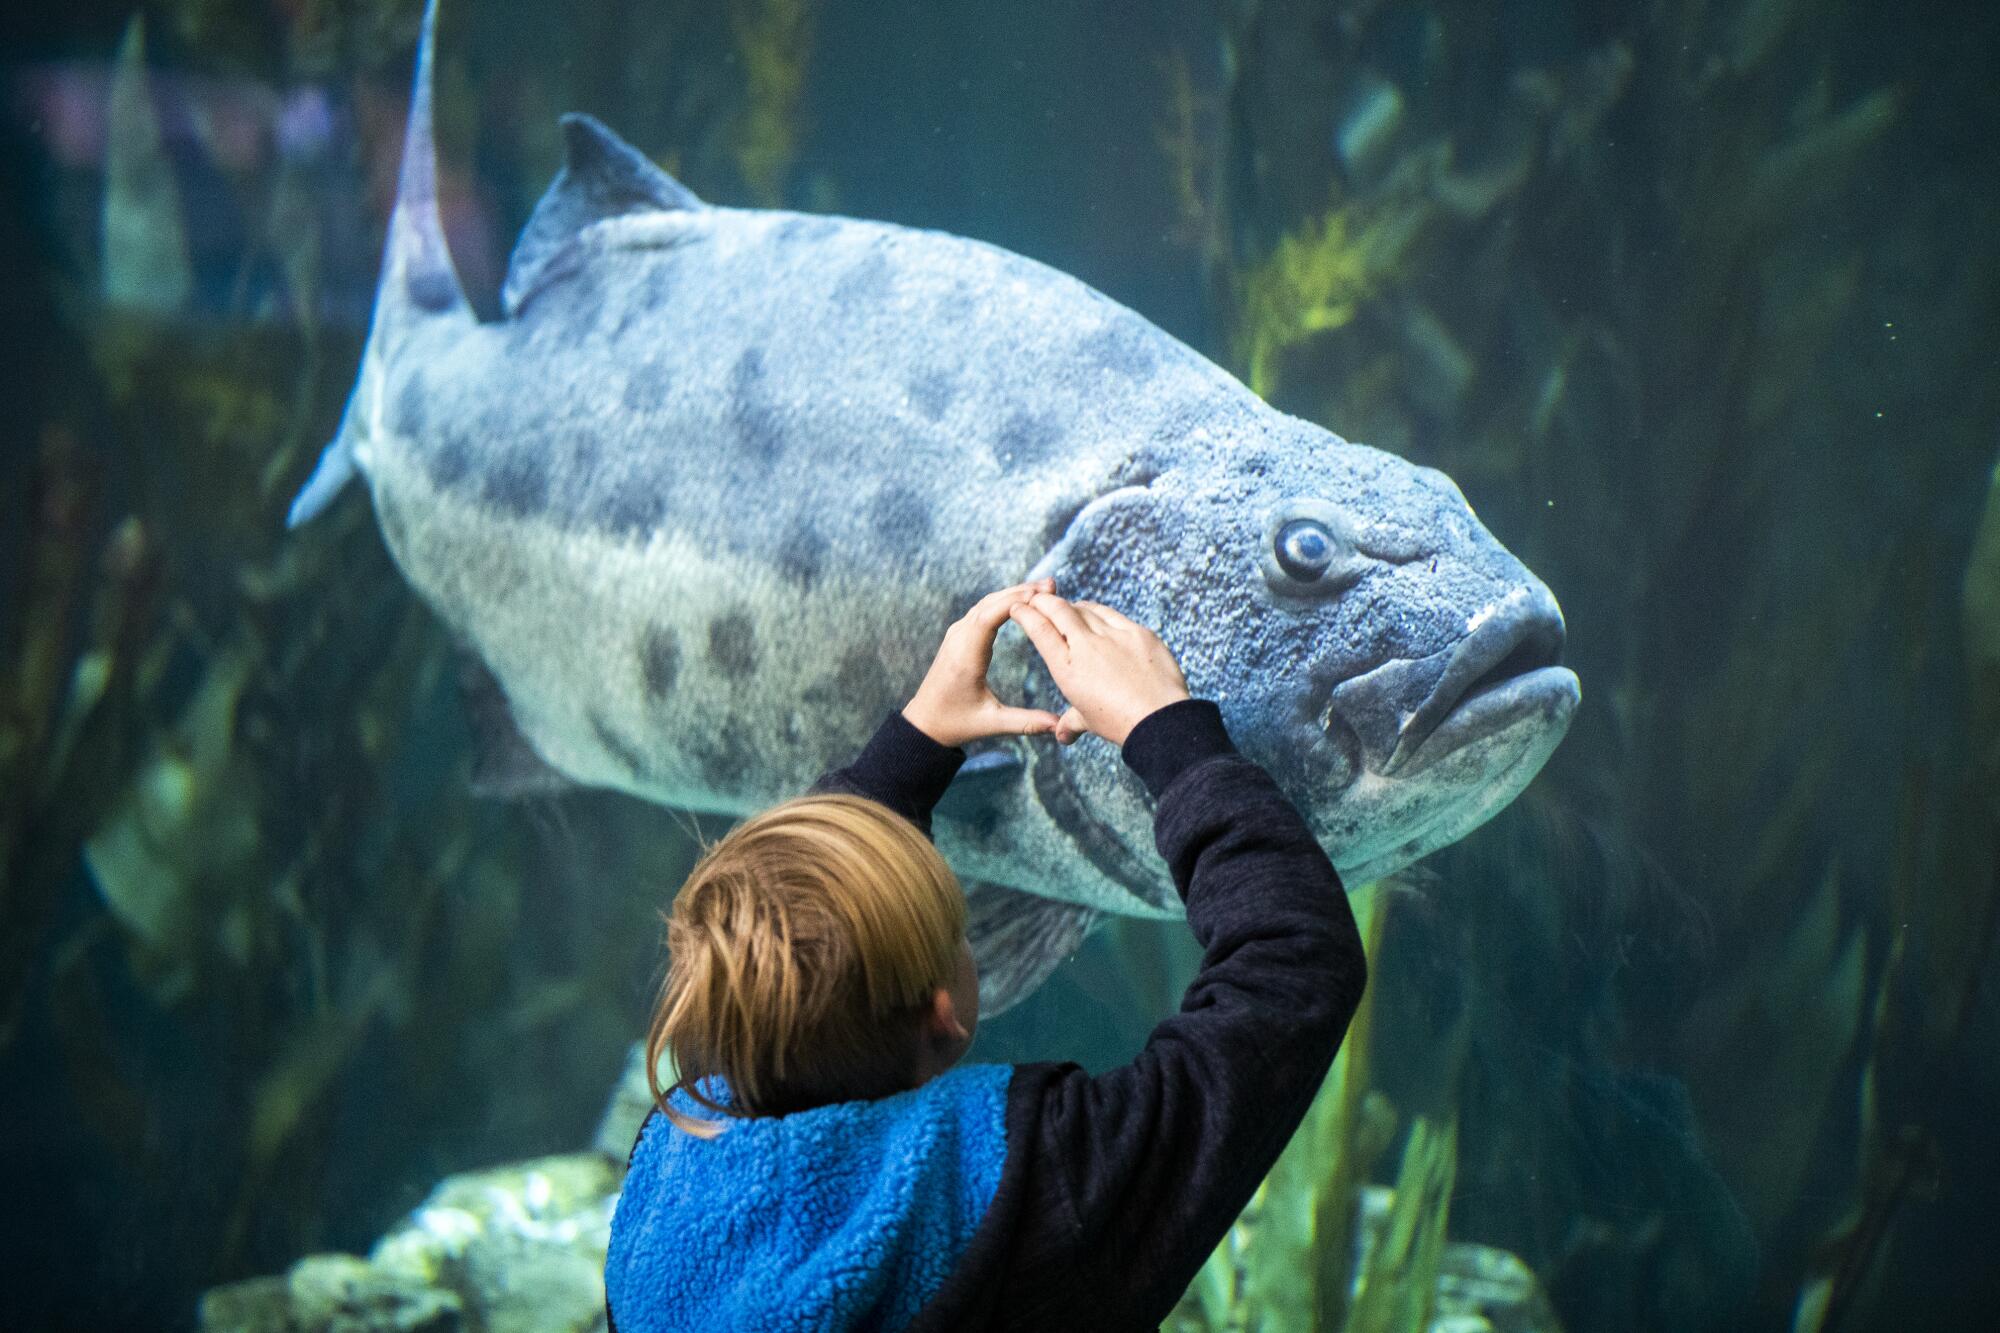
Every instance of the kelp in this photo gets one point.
(1321, 1248)
(1395, 1286)
(1631, 275)
(1923, 1007)
(73, 663)
(1314, 281)
(773, 43)
(1814, 988)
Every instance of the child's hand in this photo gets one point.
(1114, 671)
(954, 704)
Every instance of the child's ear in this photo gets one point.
(942, 1022)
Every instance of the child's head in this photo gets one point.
(816, 954)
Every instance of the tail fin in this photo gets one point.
(418, 284)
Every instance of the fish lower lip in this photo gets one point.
(1522, 639)
(1489, 709)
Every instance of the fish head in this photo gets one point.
(1370, 643)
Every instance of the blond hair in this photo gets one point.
(801, 951)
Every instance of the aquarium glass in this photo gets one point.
(391, 610)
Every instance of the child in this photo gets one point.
(821, 1163)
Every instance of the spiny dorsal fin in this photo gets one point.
(602, 177)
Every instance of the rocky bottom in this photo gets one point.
(520, 1249)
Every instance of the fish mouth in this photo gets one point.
(1409, 713)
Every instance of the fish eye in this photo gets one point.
(1304, 549)
(1309, 549)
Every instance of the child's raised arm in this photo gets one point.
(1130, 1178)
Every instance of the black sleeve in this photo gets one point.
(901, 767)
(1139, 1172)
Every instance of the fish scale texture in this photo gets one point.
(840, 1217)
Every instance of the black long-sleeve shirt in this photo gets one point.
(1117, 1186)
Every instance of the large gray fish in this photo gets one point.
(705, 497)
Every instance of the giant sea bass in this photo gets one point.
(704, 497)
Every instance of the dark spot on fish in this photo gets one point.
(429, 281)
(517, 482)
(865, 280)
(727, 759)
(900, 517)
(620, 749)
(659, 660)
(932, 393)
(635, 301)
(732, 644)
(800, 554)
(411, 401)
(1256, 464)
(664, 276)
(955, 305)
(758, 428)
(631, 507)
(580, 452)
(1123, 347)
(448, 459)
(861, 684)
(1025, 438)
(646, 389)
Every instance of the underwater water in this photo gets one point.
(1697, 302)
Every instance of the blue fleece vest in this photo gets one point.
(842, 1217)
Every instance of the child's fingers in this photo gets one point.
(990, 612)
(1041, 631)
(1110, 615)
(1061, 613)
(1098, 624)
(1024, 721)
(1070, 726)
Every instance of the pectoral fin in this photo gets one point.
(1018, 938)
(977, 796)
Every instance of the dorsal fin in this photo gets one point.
(602, 177)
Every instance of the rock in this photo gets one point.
(259, 1305)
(337, 1293)
(1479, 1289)
(1493, 1288)
(332, 1293)
(523, 1246)
(518, 1249)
